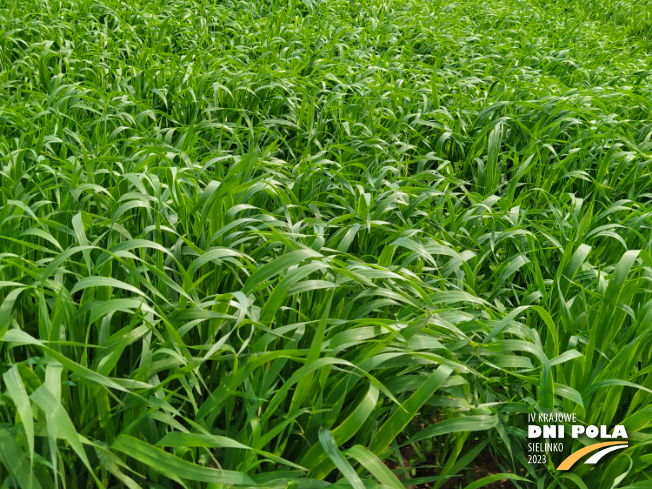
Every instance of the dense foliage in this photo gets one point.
(279, 243)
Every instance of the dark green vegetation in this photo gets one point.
(267, 242)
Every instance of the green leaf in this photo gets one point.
(11, 456)
(18, 394)
(172, 466)
(58, 422)
(485, 481)
(375, 466)
(454, 425)
(403, 415)
(328, 443)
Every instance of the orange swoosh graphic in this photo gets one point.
(575, 456)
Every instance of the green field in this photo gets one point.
(298, 243)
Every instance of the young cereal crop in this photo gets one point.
(299, 244)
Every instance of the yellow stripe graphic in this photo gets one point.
(575, 456)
